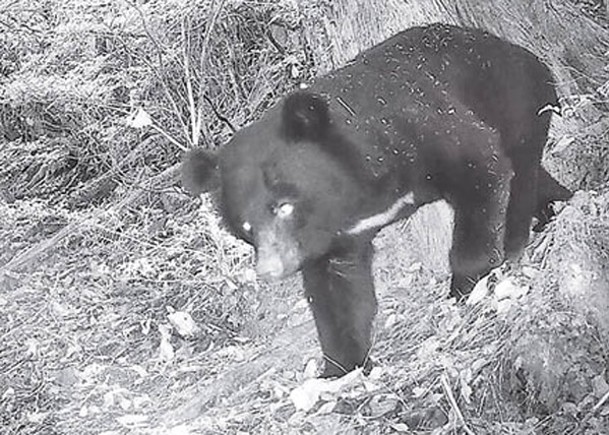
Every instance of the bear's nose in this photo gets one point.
(277, 254)
(269, 267)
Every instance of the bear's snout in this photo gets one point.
(277, 255)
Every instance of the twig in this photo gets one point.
(600, 403)
(218, 115)
(196, 107)
(89, 190)
(453, 404)
(207, 38)
(158, 69)
(595, 408)
(167, 136)
(195, 114)
(32, 253)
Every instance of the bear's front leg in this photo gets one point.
(340, 290)
(479, 231)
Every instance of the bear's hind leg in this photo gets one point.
(548, 191)
(340, 290)
(522, 205)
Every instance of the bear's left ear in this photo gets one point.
(200, 171)
(305, 116)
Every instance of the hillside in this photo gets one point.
(126, 307)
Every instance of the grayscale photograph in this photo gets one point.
(304, 217)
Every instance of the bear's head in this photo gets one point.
(288, 184)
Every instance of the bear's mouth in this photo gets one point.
(275, 268)
(277, 256)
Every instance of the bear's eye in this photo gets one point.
(284, 210)
(247, 227)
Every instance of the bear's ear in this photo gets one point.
(305, 116)
(200, 171)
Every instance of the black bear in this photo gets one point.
(435, 112)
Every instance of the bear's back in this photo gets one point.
(428, 72)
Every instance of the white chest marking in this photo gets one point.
(383, 218)
(549, 108)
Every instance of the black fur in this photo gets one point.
(199, 171)
(436, 112)
(305, 117)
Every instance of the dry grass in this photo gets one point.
(89, 341)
